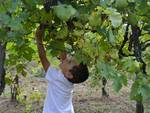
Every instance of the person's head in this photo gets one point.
(74, 72)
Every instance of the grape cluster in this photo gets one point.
(134, 45)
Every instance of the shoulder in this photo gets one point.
(51, 73)
(51, 69)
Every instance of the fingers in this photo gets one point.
(62, 56)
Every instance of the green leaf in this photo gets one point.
(148, 68)
(55, 47)
(106, 70)
(111, 37)
(95, 19)
(135, 92)
(30, 4)
(116, 19)
(143, 9)
(62, 33)
(16, 25)
(114, 16)
(4, 19)
(147, 28)
(19, 68)
(3, 34)
(105, 3)
(124, 80)
(24, 51)
(14, 36)
(44, 16)
(117, 84)
(13, 6)
(131, 65)
(8, 81)
(121, 4)
(81, 57)
(64, 12)
(145, 91)
(78, 33)
(132, 19)
(2, 9)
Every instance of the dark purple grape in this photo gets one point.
(49, 3)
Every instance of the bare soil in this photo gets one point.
(85, 99)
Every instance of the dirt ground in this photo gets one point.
(85, 99)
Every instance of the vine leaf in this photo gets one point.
(132, 19)
(135, 94)
(111, 37)
(95, 19)
(121, 4)
(145, 91)
(114, 16)
(64, 12)
(116, 19)
(117, 84)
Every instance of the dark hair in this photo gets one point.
(80, 73)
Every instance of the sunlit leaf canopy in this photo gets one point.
(92, 30)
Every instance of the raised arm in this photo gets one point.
(41, 50)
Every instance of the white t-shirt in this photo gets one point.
(59, 93)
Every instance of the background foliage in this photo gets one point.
(111, 36)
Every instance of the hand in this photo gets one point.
(62, 56)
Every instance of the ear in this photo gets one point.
(69, 75)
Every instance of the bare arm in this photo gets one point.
(41, 50)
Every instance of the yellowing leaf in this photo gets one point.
(95, 19)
